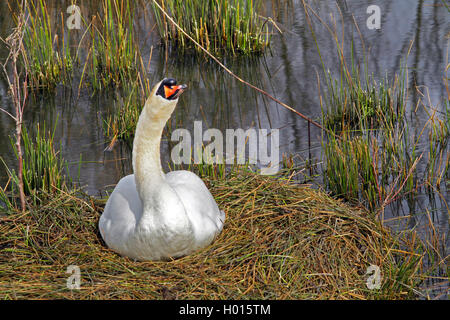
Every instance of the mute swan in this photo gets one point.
(155, 216)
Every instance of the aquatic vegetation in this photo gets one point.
(18, 90)
(373, 154)
(114, 52)
(355, 103)
(370, 155)
(373, 159)
(43, 167)
(350, 171)
(372, 168)
(231, 26)
(43, 164)
(48, 58)
(6, 204)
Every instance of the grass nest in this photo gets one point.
(280, 241)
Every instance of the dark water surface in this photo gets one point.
(288, 71)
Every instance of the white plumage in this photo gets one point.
(155, 216)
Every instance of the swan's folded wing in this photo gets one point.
(200, 205)
(121, 212)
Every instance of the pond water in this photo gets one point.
(288, 71)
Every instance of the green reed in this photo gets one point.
(43, 164)
(372, 158)
(48, 64)
(359, 102)
(114, 52)
(229, 26)
(375, 161)
(6, 201)
(43, 167)
(212, 171)
(370, 153)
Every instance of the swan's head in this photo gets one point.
(169, 90)
(164, 98)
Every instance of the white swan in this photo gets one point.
(155, 216)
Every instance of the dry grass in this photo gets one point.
(280, 241)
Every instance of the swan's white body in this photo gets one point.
(155, 216)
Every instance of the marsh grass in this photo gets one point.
(375, 156)
(376, 166)
(374, 160)
(114, 55)
(358, 102)
(48, 58)
(345, 160)
(43, 168)
(222, 27)
(43, 164)
(280, 241)
(204, 170)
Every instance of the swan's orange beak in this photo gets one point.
(173, 92)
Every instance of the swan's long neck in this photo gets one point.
(148, 172)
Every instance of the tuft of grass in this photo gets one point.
(43, 168)
(375, 154)
(354, 103)
(350, 171)
(47, 64)
(230, 26)
(280, 241)
(114, 52)
(43, 164)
